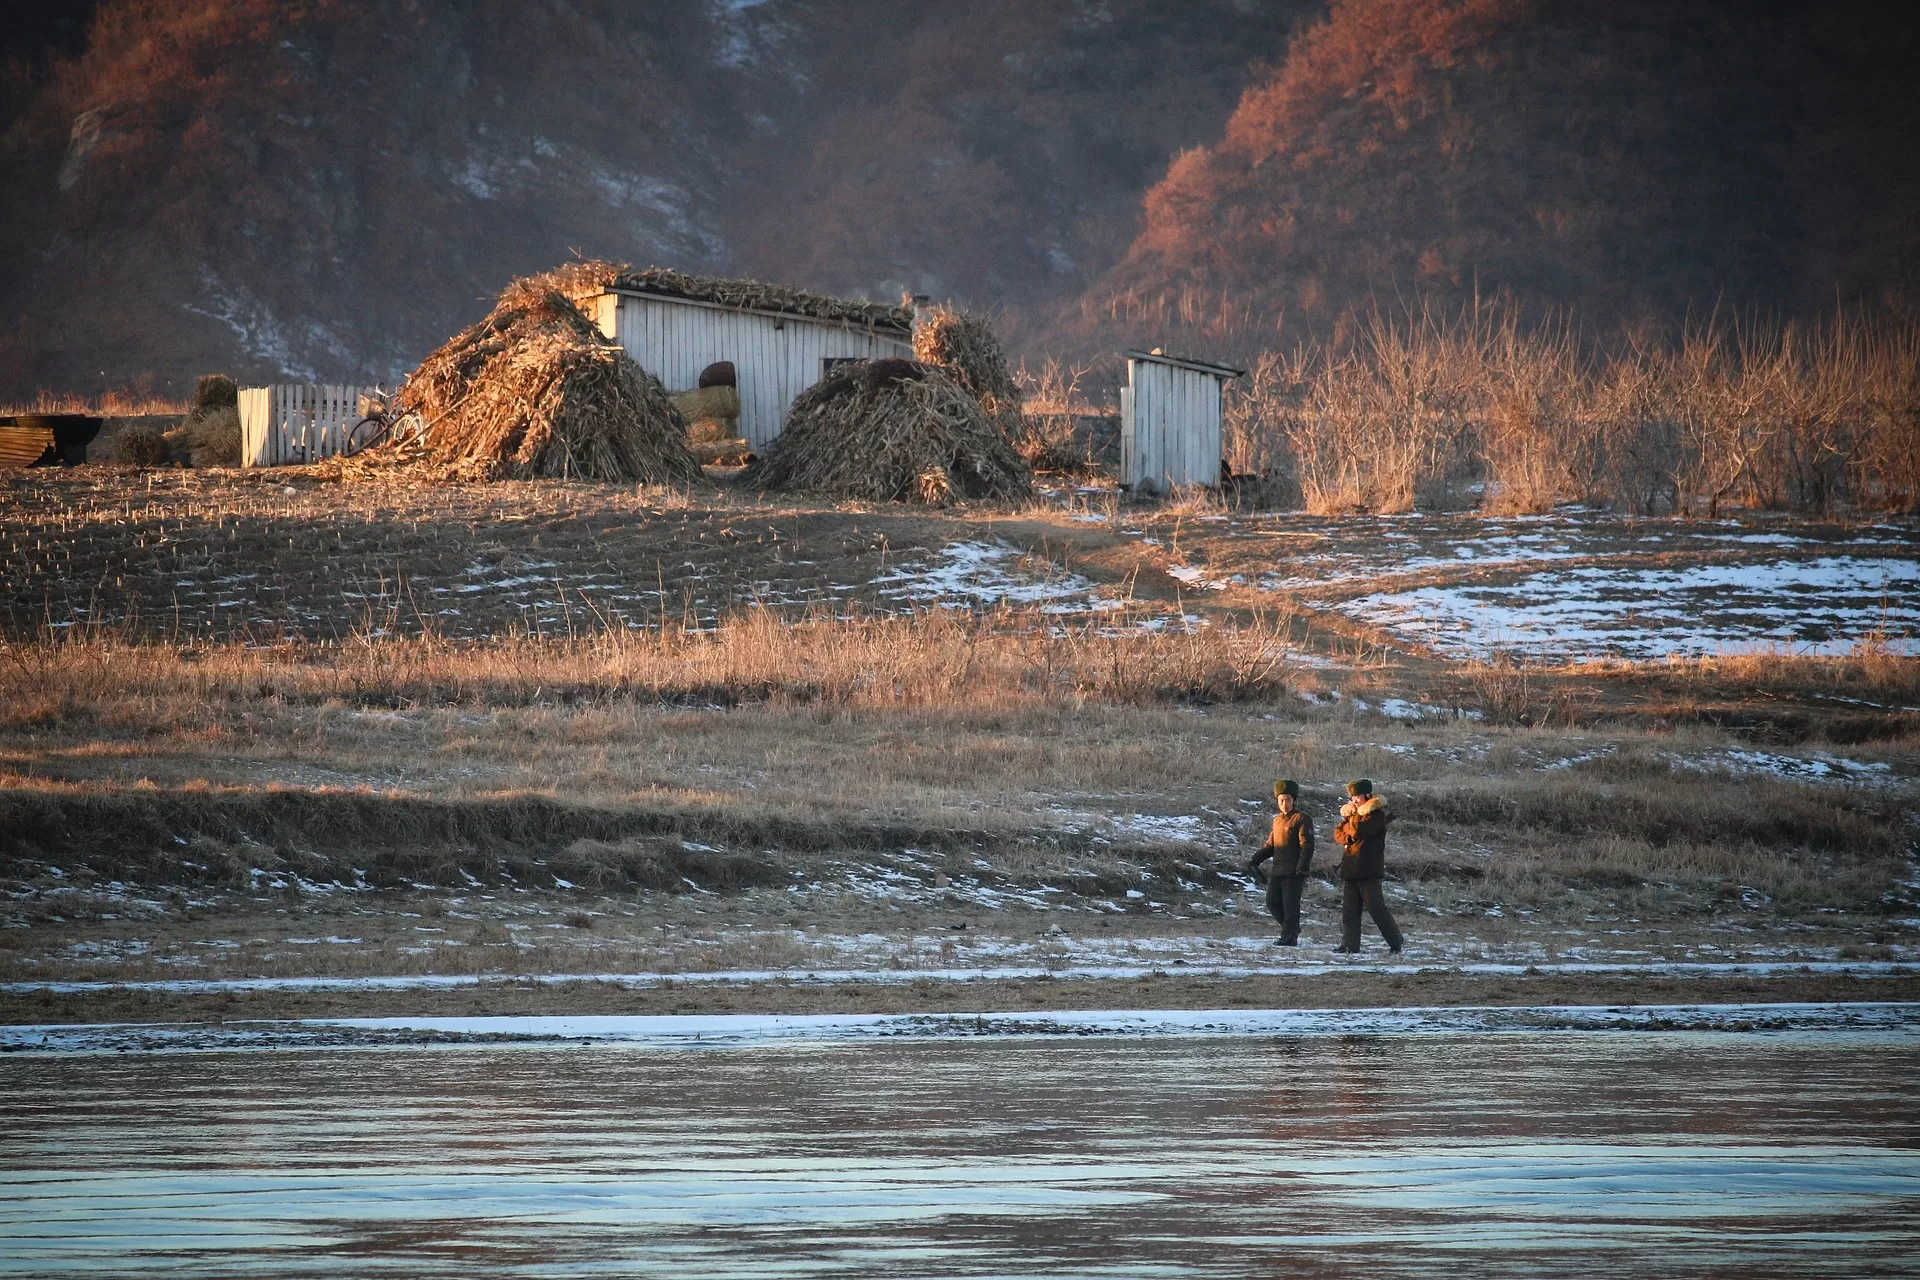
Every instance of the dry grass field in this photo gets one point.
(281, 727)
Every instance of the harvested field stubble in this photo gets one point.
(891, 431)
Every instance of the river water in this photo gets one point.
(1624, 1153)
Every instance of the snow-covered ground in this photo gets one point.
(1574, 584)
(1820, 606)
(985, 573)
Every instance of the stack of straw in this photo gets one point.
(891, 431)
(965, 347)
(535, 390)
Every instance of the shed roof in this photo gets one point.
(1184, 362)
(755, 295)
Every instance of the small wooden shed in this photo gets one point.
(780, 341)
(1170, 421)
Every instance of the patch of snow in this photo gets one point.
(1195, 578)
(1817, 768)
(1819, 606)
(261, 335)
(980, 574)
(472, 179)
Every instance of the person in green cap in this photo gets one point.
(1362, 833)
(1290, 845)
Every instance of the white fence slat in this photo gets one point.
(292, 423)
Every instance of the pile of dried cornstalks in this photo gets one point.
(965, 347)
(891, 431)
(535, 390)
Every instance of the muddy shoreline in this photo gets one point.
(508, 997)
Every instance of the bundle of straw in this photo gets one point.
(536, 390)
(891, 431)
(965, 347)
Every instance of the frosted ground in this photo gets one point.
(907, 914)
(1061, 844)
(1572, 586)
(1576, 585)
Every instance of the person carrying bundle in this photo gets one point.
(1290, 845)
(1362, 833)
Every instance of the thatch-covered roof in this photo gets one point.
(756, 295)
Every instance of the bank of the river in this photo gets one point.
(1358, 988)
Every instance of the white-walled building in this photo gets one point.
(781, 341)
(1170, 421)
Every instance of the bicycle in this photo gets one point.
(384, 423)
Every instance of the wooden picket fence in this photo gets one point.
(296, 423)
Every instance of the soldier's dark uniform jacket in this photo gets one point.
(1363, 835)
(1289, 844)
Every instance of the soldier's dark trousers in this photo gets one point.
(1370, 895)
(1283, 900)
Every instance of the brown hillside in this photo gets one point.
(1624, 159)
(325, 188)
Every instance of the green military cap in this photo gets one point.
(1286, 787)
(1360, 787)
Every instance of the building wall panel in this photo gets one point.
(1169, 426)
(775, 358)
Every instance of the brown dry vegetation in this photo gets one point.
(709, 781)
(1630, 159)
(596, 761)
(111, 404)
(1411, 409)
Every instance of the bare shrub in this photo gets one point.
(215, 433)
(1383, 419)
(1254, 417)
(140, 444)
(1884, 468)
(1401, 408)
(1049, 434)
(1510, 691)
(1536, 433)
